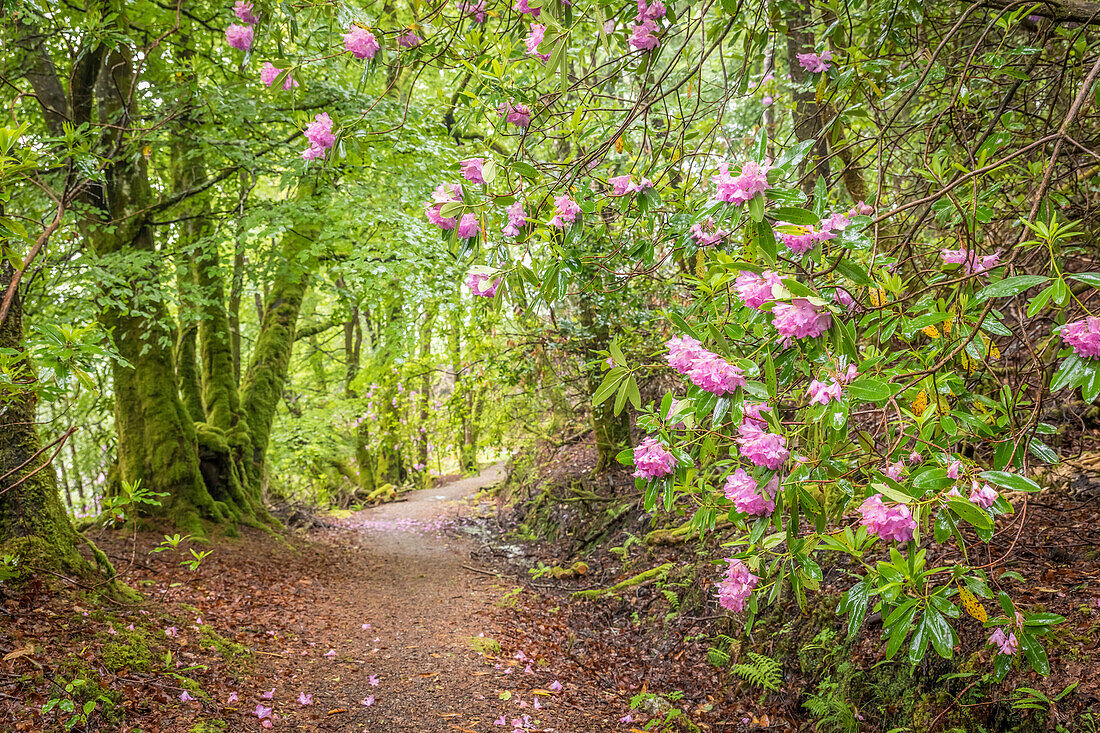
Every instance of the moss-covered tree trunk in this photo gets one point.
(610, 431)
(262, 385)
(33, 522)
(461, 398)
(424, 398)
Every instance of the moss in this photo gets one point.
(208, 637)
(208, 726)
(485, 646)
(657, 573)
(129, 649)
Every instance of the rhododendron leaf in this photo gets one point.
(992, 324)
(871, 390)
(756, 208)
(610, 383)
(765, 239)
(931, 479)
(1069, 374)
(525, 169)
(1009, 286)
(970, 513)
(451, 209)
(682, 325)
(633, 394)
(620, 398)
(1090, 386)
(821, 195)
(1012, 481)
(1034, 652)
(1042, 451)
(943, 636)
(944, 527)
(921, 638)
(1042, 618)
(1089, 278)
(792, 157)
(796, 215)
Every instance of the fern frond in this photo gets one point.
(762, 672)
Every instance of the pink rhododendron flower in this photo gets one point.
(800, 319)
(444, 193)
(521, 6)
(894, 470)
(261, 712)
(269, 694)
(982, 494)
(768, 100)
(538, 32)
(714, 374)
(1083, 337)
(304, 699)
(807, 238)
(848, 375)
(972, 265)
(888, 522)
(844, 298)
(482, 285)
(1006, 645)
(367, 701)
(652, 460)
(269, 73)
(653, 11)
(953, 469)
(642, 35)
(707, 234)
(239, 36)
(517, 114)
(185, 696)
(835, 222)
(761, 448)
(751, 419)
(330, 653)
(747, 498)
(409, 39)
(621, 185)
(373, 680)
(233, 697)
(468, 227)
(360, 43)
(916, 458)
(517, 218)
(822, 394)
(738, 189)
(565, 211)
(320, 136)
(555, 686)
(736, 587)
(755, 290)
(682, 353)
(171, 631)
(861, 209)
(472, 169)
(814, 63)
(243, 11)
(476, 11)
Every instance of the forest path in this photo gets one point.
(427, 611)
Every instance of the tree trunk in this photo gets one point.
(262, 386)
(33, 523)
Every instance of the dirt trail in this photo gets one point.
(412, 582)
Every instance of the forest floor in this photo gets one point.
(379, 621)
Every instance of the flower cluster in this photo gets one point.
(624, 185)
(799, 319)
(239, 36)
(762, 448)
(815, 63)
(482, 285)
(738, 189)
(444, 193)
(643, 32)
(734, 590)
(1083, 337)
(756, 290)
(468, 226)
(538, 32)
(517, 114)
(806, 238)
(822, 394)
(320, 136)
(972, 265)
(360, 43)
(982, 494)
(269, 73)
(565, 211)
(707, 234)
(472, 169)
(747, 498)
(889, 523)
(517, 218)
(705, 369)
(243, 11)
(522, 7)
(1006, 643)
(653, 460)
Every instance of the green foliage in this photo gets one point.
(760, 671)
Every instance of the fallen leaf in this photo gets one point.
(336, 710)
(21, 652)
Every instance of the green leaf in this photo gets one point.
(970, 513)
(765, 239)
(1034, 652)
(795, 215)
(1089, 278)
(921, 637)
(1010, 286)
(1012, 481)
(756, 208)
(1042, 618)
(633, 394)
(610, 383)
(870, 390)
(1069, 374)
(943, 636)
